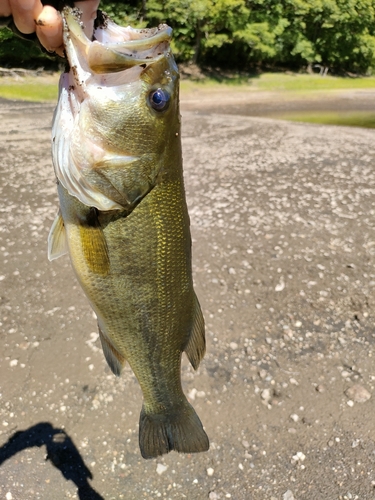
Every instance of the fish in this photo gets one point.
(123, 219)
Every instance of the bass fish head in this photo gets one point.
(118, 109)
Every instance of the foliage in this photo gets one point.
(243, 34)
(339, 34)
(16, 52)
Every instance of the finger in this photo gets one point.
(49, 28)
(5, 9)
(24, 12)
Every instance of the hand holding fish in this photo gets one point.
(31, 16)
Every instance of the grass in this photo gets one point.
(37, 89)
(303, 82)
(364, 119)
(280, 82)
(44, 88)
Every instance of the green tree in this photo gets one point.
(16, 52)
(339, 34)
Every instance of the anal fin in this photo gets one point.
(57, 243)
(196, 347)
(115, 360)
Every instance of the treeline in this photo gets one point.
(248, 34)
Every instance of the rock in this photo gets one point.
(192, 394)
(266, 395)
(288, 495)
(358, 393)
(160, 469)
(280, 286)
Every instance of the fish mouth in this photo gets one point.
(113, 48)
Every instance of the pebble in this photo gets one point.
(358, 393)
(14, 362)
(280, 286)
(160, 469)
(210, 471)
(233, 346)
(298, 457)
(294, 417)
(266, 395)
(192, 394)
(288, 495)
(213, 496)
(9, 496)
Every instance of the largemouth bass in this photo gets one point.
(123, 218)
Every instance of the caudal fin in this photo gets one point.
(181, 431)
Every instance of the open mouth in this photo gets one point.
(114, 48)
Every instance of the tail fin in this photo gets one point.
(181, 431)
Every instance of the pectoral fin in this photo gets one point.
(196, 346)
(94, 245)
(115, 360)
(57, 244)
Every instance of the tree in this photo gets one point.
(339, 34)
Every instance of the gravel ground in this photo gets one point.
(284, 250)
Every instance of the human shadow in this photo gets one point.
(61, 452)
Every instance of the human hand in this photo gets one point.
(30, 16)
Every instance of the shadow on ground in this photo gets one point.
(61, 452)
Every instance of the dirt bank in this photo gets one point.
(284, 250)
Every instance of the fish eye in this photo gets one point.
(159, 99)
